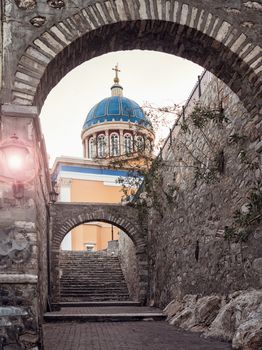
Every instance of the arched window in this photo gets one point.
(91, 148)
(148, 146)
(128, 143)
(140, 144)
(101, 146)
(114, 144)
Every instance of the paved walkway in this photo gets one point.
(154, 335)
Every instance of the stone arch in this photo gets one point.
(205, 37)
(66, 216)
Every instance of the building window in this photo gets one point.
(140, 144)
(148, 146)
(114, 144)
(90, 246)
(91, 148)
(128, 143)
(101, 146)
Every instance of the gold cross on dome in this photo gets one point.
(117, 70)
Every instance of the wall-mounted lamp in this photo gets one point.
(17, 164)
(53, 195)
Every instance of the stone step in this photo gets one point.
(95, 295)
(99, 281)
(86, 258)
(91, 277)
(83, 269)
(93, 292)
(98, 303)
(81, 298)
(125, 317)
(92, 283)
(103, 318)
(95, 288)
(92, 273)
(87, 287)
(98, 291)
(93, 299)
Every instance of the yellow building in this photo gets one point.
(116, 131)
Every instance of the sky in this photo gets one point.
(146, 76)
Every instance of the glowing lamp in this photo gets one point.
(17, 163)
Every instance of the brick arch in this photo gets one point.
(116, 220)
(66, 216)
(173, 27)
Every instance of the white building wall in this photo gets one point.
(65, 196)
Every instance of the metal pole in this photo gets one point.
(199, 86)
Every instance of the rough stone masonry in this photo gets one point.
(58, 35)
(191, 217)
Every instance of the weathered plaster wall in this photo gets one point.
(23, 246)
(128, 261)
(187, 249)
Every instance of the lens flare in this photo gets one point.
(15, 162)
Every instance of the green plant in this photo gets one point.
(236, 138)
(201, 115)
(244, 221)
(184, 127)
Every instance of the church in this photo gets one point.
(116, 137)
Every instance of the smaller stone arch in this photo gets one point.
(66, 216)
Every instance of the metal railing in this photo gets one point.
(194, 96)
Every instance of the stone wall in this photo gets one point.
(66, 216)
(23, 246)
(188, 252)
(42, 189)
(223, 37)
(128, 261)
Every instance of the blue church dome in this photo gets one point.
(116, 109)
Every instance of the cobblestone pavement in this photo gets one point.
(156, 335)
(106, 310)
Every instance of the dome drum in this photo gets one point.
(114, 142)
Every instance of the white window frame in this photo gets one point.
(140, 146)
(101, 149)
(128, 146)
(91, 148)
(114, 144)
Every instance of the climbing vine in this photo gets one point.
(206, 161)
(250, 214)
(148, 176)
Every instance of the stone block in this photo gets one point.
(11, 110)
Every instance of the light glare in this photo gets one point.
(15, 162)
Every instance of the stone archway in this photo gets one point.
(209, 36)
(66, 216)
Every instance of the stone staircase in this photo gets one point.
(93, 289)
(91, 277)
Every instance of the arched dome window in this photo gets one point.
(101, 146)
(114, 144)
(140, 144)
(128, 143)
(148, 146)
(91, 148)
